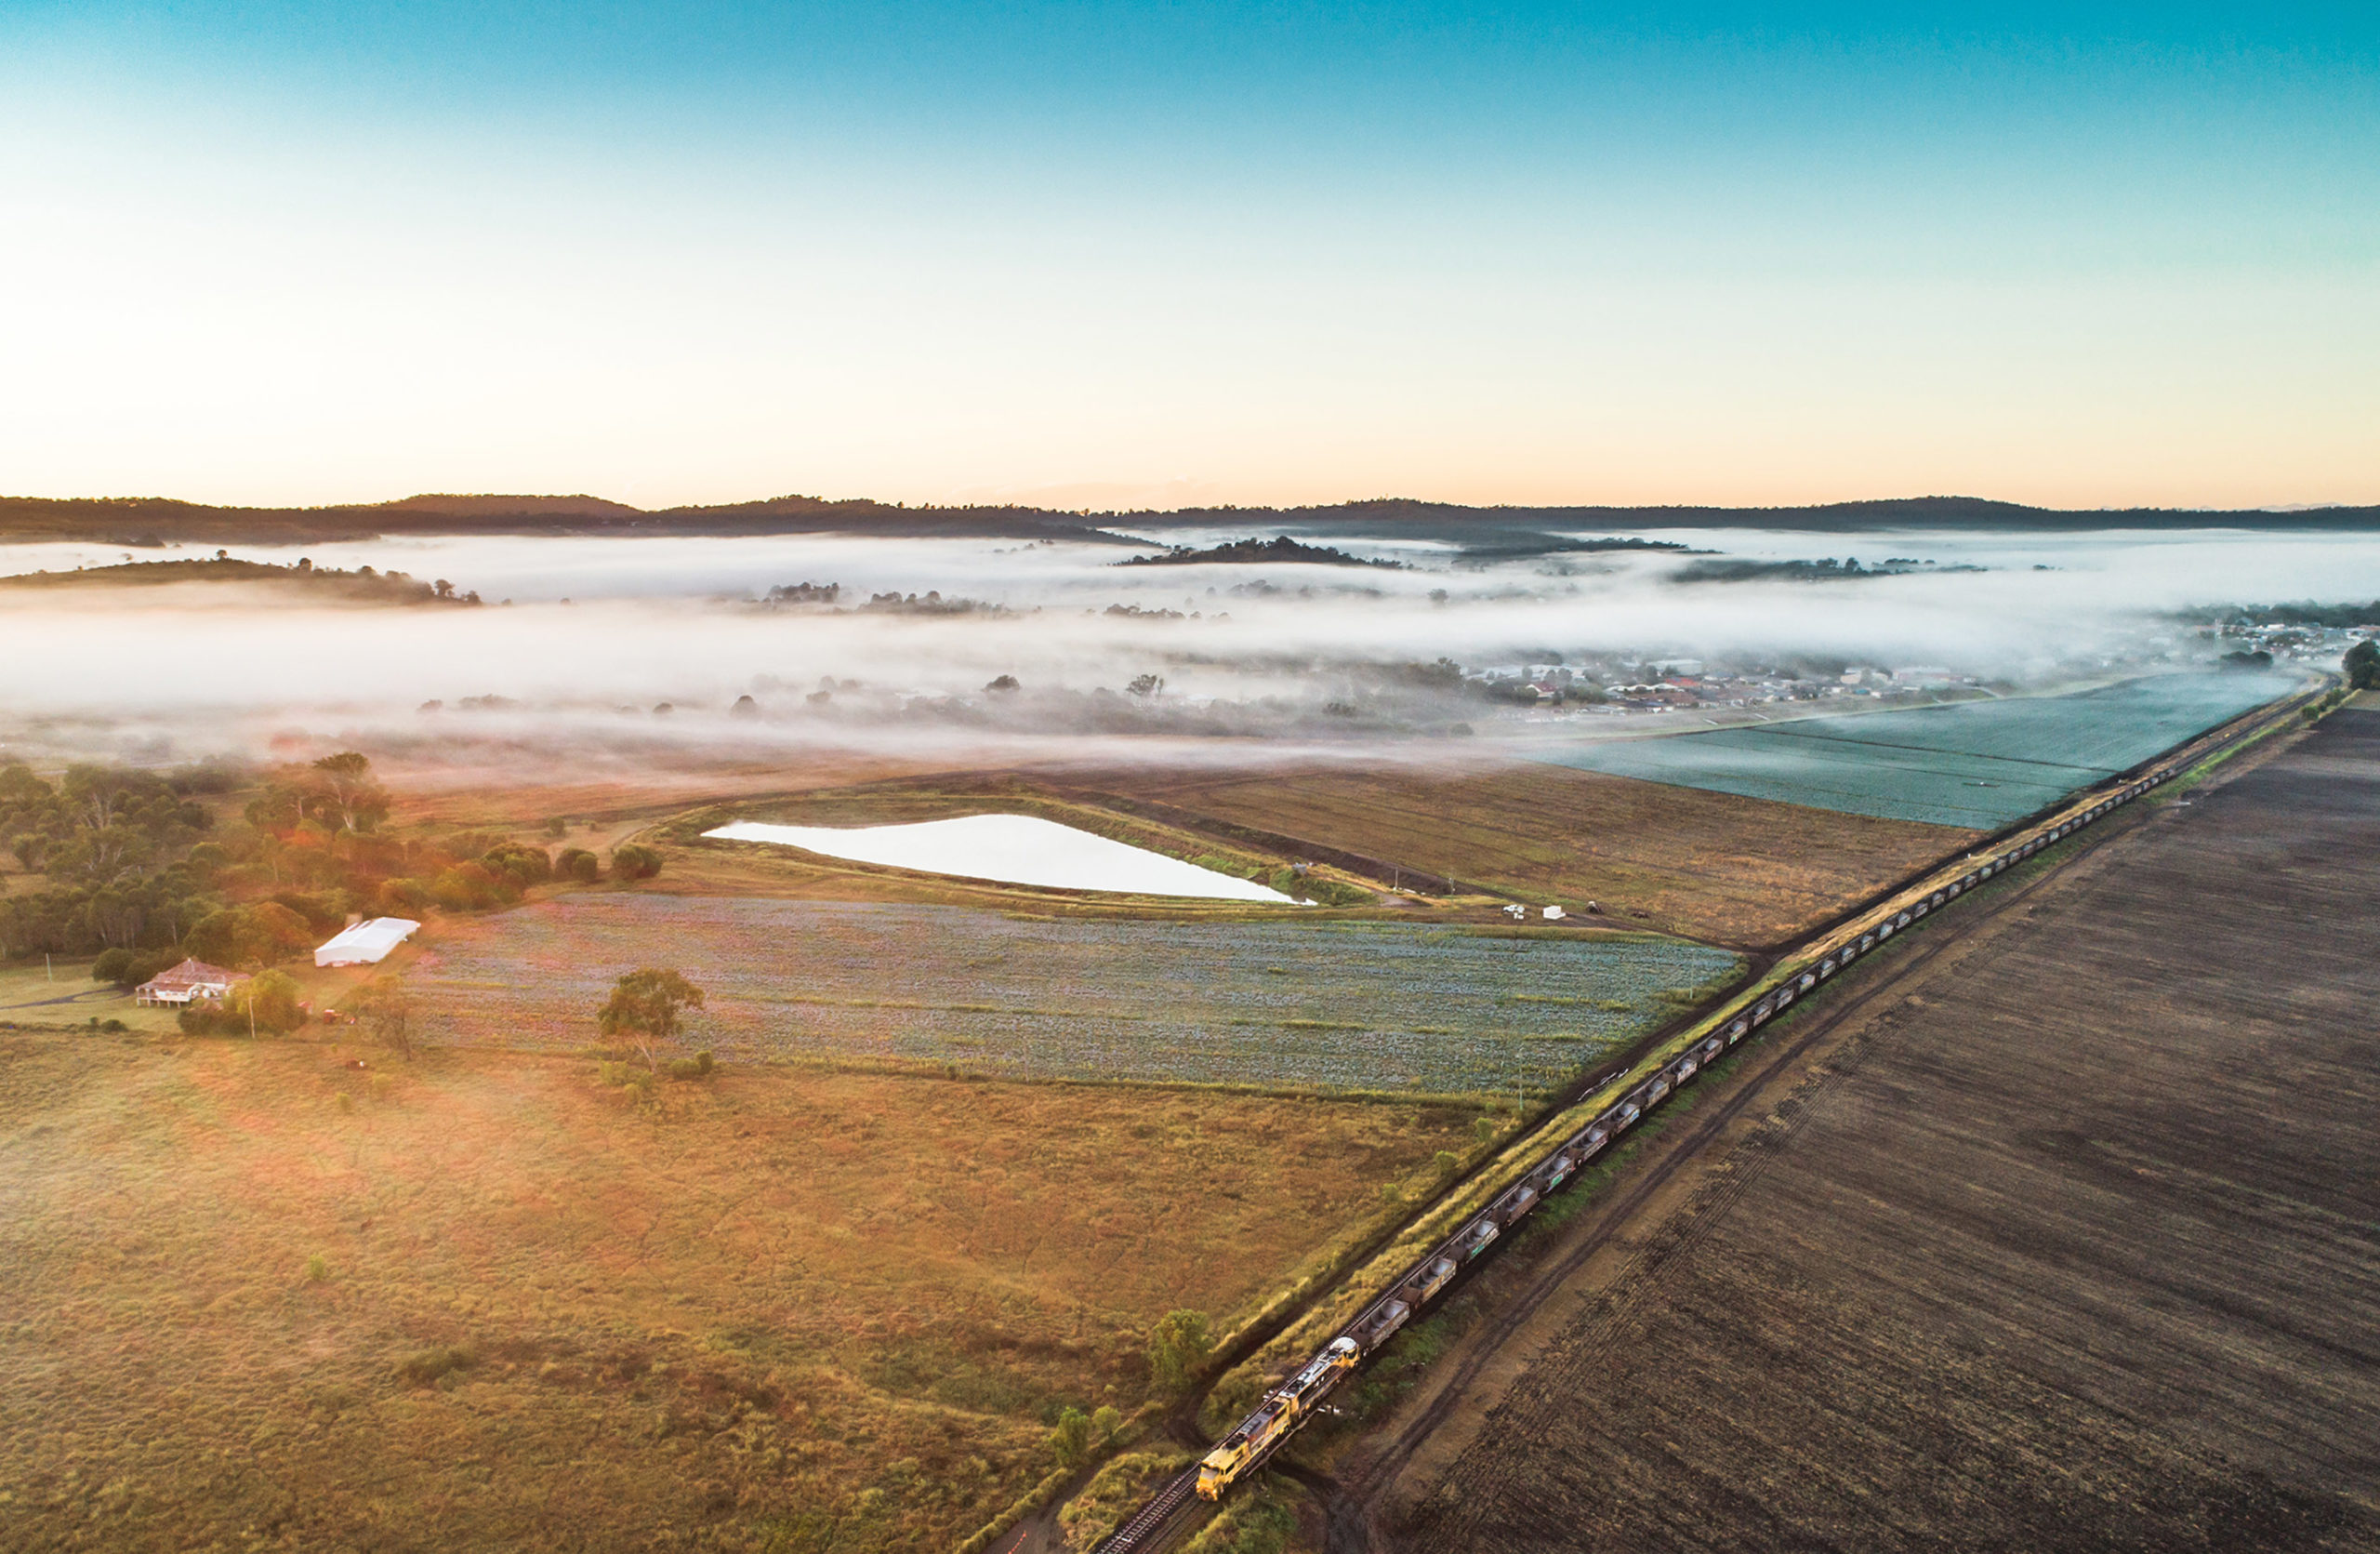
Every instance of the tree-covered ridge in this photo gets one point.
(360, 586)
(150, 521)
(1253, 551)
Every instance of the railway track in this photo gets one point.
(1618, 1101)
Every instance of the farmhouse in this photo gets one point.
(191, 981)
(366, 944)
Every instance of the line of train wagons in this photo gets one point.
(1280, 1412)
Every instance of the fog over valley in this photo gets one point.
(1020, 649)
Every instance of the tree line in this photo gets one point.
(135, 861)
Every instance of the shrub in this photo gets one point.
(471, 886)
(322, 914)
(346, 1102)
(577, 863)
(425, 1366)
(630, 861)
(318, 1267)
(112, 965)
(396, 897)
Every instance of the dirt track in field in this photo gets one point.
(2062, 1235)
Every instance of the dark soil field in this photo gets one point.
(1739, 871)
(2064, 1237)
(259, 1299)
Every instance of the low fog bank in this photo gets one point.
(1011, 654)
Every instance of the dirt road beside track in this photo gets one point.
(2060, 1234)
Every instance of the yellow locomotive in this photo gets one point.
(1281, 1411)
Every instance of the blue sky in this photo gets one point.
(2085, 253)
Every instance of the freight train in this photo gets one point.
(1285, 1408)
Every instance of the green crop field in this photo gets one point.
(1347, 1006)
(1982, 765)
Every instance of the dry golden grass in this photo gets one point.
(795, 1310)
(1712, 866)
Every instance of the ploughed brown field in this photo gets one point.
(1743, 872)
(2067, 1239)
(257, 1299)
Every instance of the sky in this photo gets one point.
(1098, 255)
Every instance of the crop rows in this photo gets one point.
(1336, 1006)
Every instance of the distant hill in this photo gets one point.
(142, 522)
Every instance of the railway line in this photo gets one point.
(1615, 1104)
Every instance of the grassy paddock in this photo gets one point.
(486, 1301)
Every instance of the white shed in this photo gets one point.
(366, 943)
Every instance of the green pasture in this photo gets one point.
(1981, 764)
(1333, 1005)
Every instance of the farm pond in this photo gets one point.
(1337, 1005)
(1012, 849)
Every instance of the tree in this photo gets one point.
(387, 1011)
(633, 862)
(351, 789)
(577, 863)
(263, 934)
(2362, 665)
(1071, 1436)
(527, 866)
(266, 1003)
(645, 1007)
(1177, 1345)
(1146, 685)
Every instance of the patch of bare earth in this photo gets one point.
(1705, 866)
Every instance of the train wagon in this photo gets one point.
(1433, 1279)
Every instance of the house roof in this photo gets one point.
(192, 974)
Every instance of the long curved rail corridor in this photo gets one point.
(1587, 1130)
